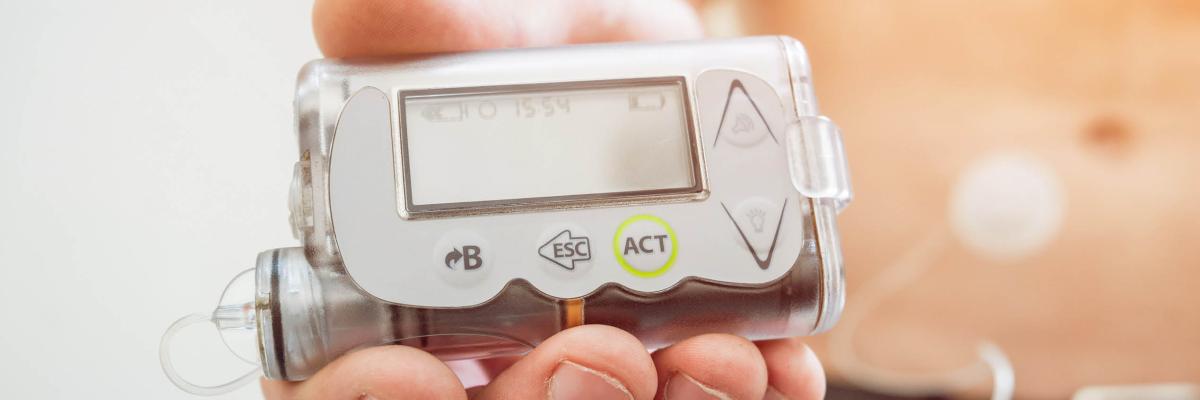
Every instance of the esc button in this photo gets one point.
(645, 245)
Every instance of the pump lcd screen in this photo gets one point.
(547, 143)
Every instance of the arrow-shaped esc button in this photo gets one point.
(565, 249)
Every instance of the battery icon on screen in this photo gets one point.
(652, 101)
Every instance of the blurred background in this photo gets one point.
(1026, 179)
(1026, 174)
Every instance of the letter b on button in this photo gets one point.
(645, 245)
(462, 258)
(471, 258)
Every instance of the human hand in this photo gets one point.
(585, 362)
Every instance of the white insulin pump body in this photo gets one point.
(610, 183)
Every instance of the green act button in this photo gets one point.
(645, 245)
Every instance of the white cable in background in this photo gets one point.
(892, 279)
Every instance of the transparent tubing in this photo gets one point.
(309, 315)
(234, 320)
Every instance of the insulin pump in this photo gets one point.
(474, 204)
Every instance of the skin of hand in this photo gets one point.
(585, 362)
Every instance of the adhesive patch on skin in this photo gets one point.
(1007, 206)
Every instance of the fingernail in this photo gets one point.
(574, 381)
(683, 387)
(774, 394)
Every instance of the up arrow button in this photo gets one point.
(566, 249)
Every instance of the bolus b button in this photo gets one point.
(462, 258)
(645, 245)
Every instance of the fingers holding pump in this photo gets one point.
(713, 366)
(585, 362)
(379, 373)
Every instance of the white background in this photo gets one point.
(146, 153)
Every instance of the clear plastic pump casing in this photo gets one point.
(308, 310)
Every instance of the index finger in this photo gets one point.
(364, 28)
(383, 372)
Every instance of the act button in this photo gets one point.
(645, 245)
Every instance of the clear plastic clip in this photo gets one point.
(817, 160)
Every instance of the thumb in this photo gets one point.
(358, 28)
